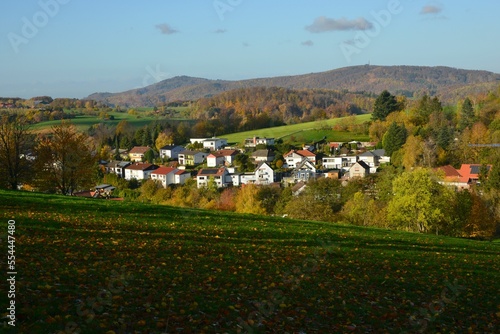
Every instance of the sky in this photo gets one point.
(73, 48)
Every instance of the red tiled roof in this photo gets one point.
(449, 171)
(306, 153)
(164, 171)
(470, 171)
(225, 153)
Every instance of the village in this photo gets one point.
(215, 161)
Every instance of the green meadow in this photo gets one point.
(84, 122)
(102, 266)
(303, 132)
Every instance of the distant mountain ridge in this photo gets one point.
(412, 81)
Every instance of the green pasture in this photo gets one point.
(102, 266)
(309, 131)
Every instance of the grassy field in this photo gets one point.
(308, 131)
(84, 122)
(97, 266)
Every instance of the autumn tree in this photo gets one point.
(163, 140)
(363, 210)
(65, 161)
(419, 202)
(15, 141)
(321, 200)
(412, 152)
(425, 107)
(247, 200)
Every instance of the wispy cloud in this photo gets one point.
(307, 43)
(324, 24)
(220, 31)
(426, 10)
(166, 29)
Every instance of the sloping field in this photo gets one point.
(307, 130)
(97, 266)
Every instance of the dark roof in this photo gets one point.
(188, 152)
(363, 164)
(170, 147)
(263, 153)
(115, 163)
(104, 186)
(142, 166)
(211, 171)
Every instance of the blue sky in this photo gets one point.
(72, 48)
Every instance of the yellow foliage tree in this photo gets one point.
(247, 202)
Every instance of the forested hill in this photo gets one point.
(411, 81)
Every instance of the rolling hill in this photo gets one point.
(412, 81)
(99, 266)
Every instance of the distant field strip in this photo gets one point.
(289, 130)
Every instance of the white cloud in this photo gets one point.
(324, 24)
(426, 10)
(166, 29)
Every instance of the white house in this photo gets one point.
(220, 175)
(369, 158)
(117, 167)
(214, 144)
(181, 176)
(214, 160)
(222, 157)
(332, 162)
(137, 153)
(171, 151)
(139, 171)
(164, 175)
(359, 169)
(191, 158)
(382, 157)
(295, 157)
(253, 142)
(264, 174)
(263, 156)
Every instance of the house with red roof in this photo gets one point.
(139, 171)
(295, 157)
(462, 178)
(168, 175)
(221, 157)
